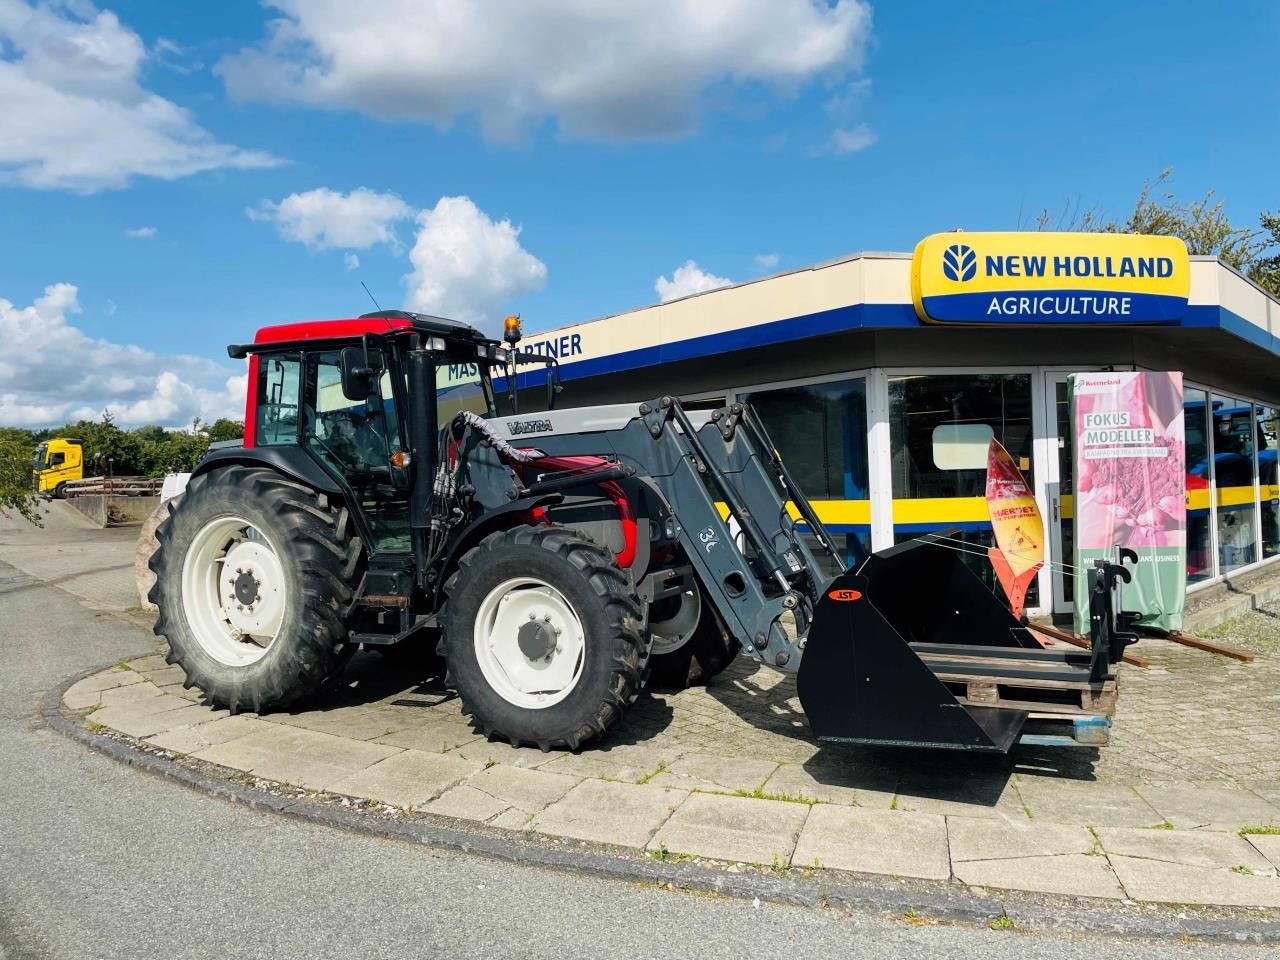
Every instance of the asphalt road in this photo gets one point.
(100, 860)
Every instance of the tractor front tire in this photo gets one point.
(254, 576)
(543, 637)
(704, 655)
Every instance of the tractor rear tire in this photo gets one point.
(703, 656)
(543, 637)
(295, 558)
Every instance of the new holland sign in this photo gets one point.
(1085, 278)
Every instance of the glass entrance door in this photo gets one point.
(1059, 489)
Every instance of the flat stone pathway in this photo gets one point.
(728, 774)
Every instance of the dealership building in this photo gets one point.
(882, 377)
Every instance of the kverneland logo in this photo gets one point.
(519, 427)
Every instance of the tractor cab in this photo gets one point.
(359, 406)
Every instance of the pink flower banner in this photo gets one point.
(1130, 488)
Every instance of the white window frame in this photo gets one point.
(880, 470)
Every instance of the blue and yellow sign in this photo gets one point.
(1084, 278)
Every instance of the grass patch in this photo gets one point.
(1261, 830)
(490, 763)
(96, 727)
(1096, 850)
(1242, 870)
(913, 919)
(662, 765)
(1002, 922)
(1162, 825)
(1025, 808)
(759, 793)
(663, 855)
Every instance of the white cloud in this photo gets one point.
(852, 140)
(766, 261)
(687, 279)
(324, 218)
(141, 233)
(466, 266)
(52, 373)
(600, 70)
(73, 114)
(351, 261)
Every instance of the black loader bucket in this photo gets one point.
(912, 649)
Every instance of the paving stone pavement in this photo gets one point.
(728, 773)
(723, 774)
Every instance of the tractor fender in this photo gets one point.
(293, 462)
(515, 513)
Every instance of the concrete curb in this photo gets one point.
(1234, 598)
(832, 889)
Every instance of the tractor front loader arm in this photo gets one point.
(728, 507)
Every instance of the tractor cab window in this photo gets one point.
(277, 417)
(355, 440)
(356, 437)
(462, 386)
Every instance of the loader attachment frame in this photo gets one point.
(910, 649)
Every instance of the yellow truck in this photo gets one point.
(57, 461)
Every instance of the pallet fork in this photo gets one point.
(914, 650)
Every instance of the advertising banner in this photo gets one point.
(1130, 488)
(1015, 520)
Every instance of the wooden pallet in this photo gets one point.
(1040, 681)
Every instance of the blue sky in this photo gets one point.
(963, 115)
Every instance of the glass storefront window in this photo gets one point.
(821, 432)
(1234, 477)
(1268, 423)
(962, 404)
(1196, 426)
(939, 426)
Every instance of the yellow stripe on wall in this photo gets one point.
(834, 512)
(941, 510)
(1235, 496)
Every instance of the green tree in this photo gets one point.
(224, 429)
(17, 451)
(1265, 271)
(179, 451)
(1203, 225)
(103, 442)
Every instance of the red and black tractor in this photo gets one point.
(559, 560)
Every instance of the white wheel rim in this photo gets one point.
(233, 591)
(673, 633)
(544, 669)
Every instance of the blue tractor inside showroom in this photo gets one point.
(559, 560)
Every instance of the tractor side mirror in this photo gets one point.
(360, 372)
